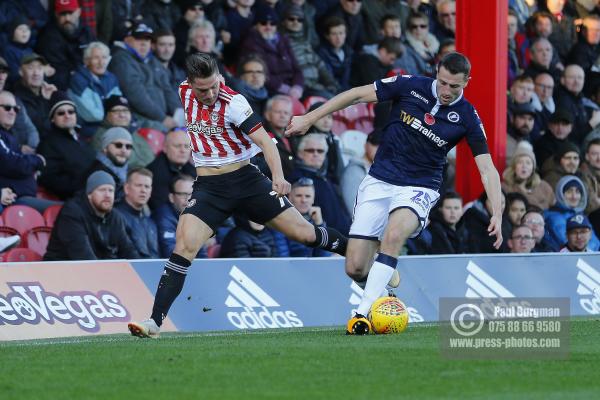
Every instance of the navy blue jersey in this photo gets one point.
(421, 132)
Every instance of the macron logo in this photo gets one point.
(480, 284)
(254, 304)
(589, 286)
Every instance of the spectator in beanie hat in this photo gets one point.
(68, 157)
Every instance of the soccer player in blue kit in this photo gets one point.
(428, 118)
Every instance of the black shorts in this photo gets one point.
(245, 192)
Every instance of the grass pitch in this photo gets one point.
(288, 364)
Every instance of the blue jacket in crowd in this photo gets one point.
(17, 168)
(141, 229)
(166, 218)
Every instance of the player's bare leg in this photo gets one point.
(293, 225)
(191, 234)
(359, 259)
(401, 224)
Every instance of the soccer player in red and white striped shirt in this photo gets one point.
(224, 134)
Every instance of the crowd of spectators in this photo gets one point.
(84, 84)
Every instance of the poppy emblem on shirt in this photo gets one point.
(204, 115)
(429, 119)
(453, 116)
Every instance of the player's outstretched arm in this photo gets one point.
(361, 94)
(491, 183)
(264, 141)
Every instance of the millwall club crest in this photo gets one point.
(191, 203)
(453, 117)
(429, 119)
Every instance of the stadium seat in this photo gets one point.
(213, 251)
(357, 117)
(50, 214)
(21, 255)
(297, 107)
(37, 239)
(353, 143)
(45, 194)
(310, 100)
(22, 218)
(339, 125)
(7, 231)
(154, 138)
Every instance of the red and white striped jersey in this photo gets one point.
(215, 136)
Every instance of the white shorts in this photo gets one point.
(376, 200)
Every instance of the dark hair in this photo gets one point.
(483, 196)
(592, 142)
(416, 15)
(331, 22)
(535, 209)
(391, 45)
(386, 18)
(450, 195)
(200, 65)
(252, 57)
(177, 178)
(516, 196)
(160, 33)
(456, 63)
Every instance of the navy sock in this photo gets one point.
(169, 287)
(330, 240)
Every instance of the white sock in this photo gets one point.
(379, 276)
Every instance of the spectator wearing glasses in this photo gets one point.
(579, 234)
(311, 154)
(140, 228)
(173, 161)
(318, 80)
(250, 81)
(420, 39)
(25, 132)
(445, 26)
(118, 113)
(534, 219)
(521, 240)
(68, 157)
(285, 75)
(543, 100)
(117, 146)
(302, 196)
(167, 215)
(91, 84)
(17, 169)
